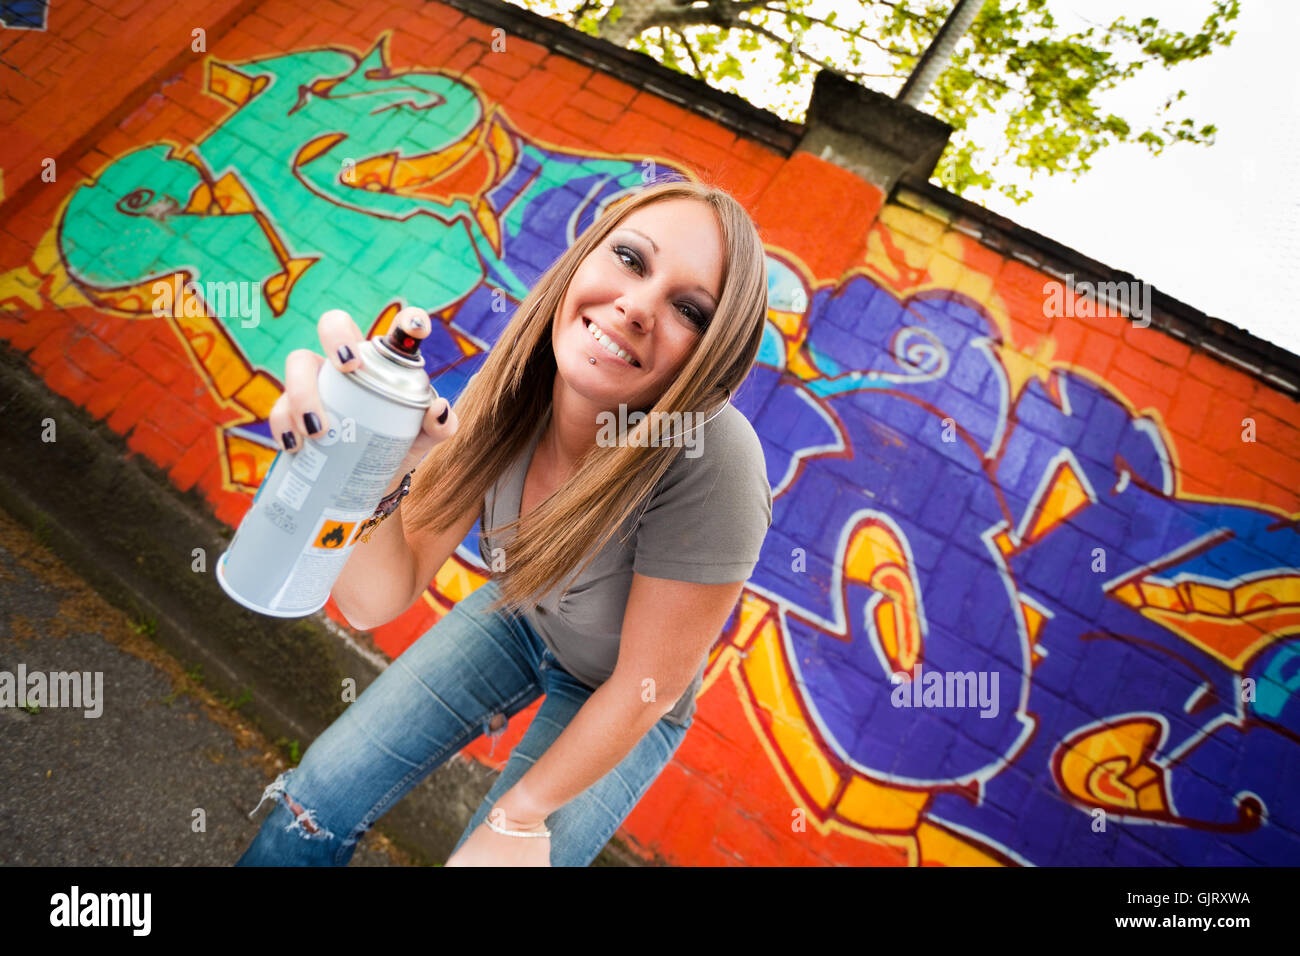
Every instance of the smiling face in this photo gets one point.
(639, 303)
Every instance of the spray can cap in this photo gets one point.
(392, 366)
(403, 342)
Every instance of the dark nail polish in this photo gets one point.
(442, 419)
(288, 441)
(345, 354)
(312, 422)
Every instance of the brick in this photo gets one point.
(1223, 428)
(196, 459)
(751, 842)
(743, 181)
(232, 508)
(600, 107)
(606, 87)
(538, 95)
(1137, 391)
(328, 10)
(1187, 411)
(705, 156)
(660, 110)
(180, 423)
(581, 125)
(1021, 289)
(470, 53)
(1270, 399)
(291, 35)
(154, 445)
(525, 49)
(110, 393)
(441, 15)
(135, 404)
(506, 63)
(1162, 377)
(429, 28)
(93, 357)
(494, 86)
(124, 336)
(1160, 345)
(1258, 458)
(263, 29)
(1245, 485)
(436, 53)
(70, 382)
(1202, 467)
(566, 69)
(372, 18)
(49, 351)
(1097, 351)
(1218, 373)
(693, 829)
(27, 335)
(710, 131)
(280, 12)
(636, 133)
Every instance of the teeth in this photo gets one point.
(606, 341)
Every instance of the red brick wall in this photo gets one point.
(1073, 433)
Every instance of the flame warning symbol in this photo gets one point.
(334, 535)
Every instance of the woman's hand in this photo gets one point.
(299, 412)
(486, 847)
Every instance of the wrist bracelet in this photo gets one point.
(387, 505)
(518, 833)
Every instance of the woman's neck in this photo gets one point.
(571, 431)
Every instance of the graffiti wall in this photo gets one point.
(1031, 593)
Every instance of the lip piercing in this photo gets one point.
(591, 359)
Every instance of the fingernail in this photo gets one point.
(312, 422)
(415, 322)
(442, 419)
(345, 354)
(288, 441)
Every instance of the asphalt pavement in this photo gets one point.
(164, 775)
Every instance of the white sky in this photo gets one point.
(1217, 227)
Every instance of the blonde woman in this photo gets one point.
(618, 552)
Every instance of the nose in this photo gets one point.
(637, 308)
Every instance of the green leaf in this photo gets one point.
(1044, 82)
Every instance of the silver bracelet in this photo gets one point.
(518, 833)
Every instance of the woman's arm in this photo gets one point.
(669, 628)
(386, 574)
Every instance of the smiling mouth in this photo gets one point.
(608, 344)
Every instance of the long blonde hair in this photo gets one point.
(505, 401)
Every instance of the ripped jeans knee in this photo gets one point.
(494, 726)
(304, 820)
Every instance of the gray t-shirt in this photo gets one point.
(705, 522)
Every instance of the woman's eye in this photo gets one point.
(624, 253)
(693, 314)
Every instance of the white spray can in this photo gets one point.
(295, 539)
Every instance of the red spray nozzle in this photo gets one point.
(403, 342)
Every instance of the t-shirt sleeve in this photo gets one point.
(709, 514)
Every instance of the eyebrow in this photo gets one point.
(655, 246)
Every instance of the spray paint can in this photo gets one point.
(295, 539)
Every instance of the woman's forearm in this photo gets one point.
(378, 581)
(603, 731)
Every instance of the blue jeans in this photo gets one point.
(439, 694)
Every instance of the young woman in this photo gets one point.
(617, 553)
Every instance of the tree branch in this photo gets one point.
(764, 31)
(853, 33)
(695, 64)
